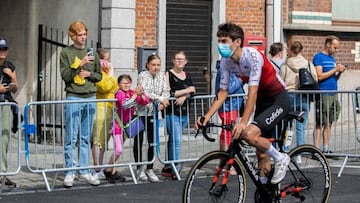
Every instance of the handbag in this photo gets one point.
(307, 82)
(133, 127)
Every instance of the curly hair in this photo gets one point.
(231, 30)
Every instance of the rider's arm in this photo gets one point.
(250, 104)
(249, 109)
(217, 103)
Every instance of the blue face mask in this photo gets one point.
(225, 50)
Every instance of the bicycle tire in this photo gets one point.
(199, 180)
(313, 171)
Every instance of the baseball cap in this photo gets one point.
(3, 43)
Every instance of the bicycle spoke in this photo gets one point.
(201, 187)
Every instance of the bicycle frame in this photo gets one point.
(235, 149)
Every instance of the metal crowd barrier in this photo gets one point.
(48, 156)
(343, 137)
(191, 147)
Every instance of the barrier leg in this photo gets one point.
(133, 176)
(175, 171)
(46, 181)
(343, 166)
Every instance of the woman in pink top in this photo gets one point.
(127, 102)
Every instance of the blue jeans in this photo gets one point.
(299, 102)
(79, 122)
(175, 125)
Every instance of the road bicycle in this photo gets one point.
(212, 177)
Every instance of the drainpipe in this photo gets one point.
(273, 22)
(98, 44)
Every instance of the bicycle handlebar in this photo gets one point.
(208, 125)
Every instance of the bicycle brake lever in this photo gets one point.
(204, 131)
(197, 132)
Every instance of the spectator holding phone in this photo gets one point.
(328, 107)
(8, 85)
(80, 72)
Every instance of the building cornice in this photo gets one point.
(325, 28)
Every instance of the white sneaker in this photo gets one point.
(280, 169)
(100, 175)
(90, 179)
(298, 159)
(151, 175)
(142, 175)
(69, 180)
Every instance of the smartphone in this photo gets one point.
(90, 51)
(11, 85)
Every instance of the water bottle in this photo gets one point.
(288, 140)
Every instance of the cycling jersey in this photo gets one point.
(255, 69)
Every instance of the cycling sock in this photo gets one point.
(263, 179)
(326, 148)
(275, 154)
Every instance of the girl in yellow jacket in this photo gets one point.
(105, 89)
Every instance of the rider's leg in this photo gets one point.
(252, 136)
(264, 166)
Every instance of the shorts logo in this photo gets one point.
(274, 115)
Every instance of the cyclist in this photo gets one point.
(265, 89)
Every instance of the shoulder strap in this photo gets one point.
(275, 64)
(121, 124)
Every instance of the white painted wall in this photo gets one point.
(20, 27)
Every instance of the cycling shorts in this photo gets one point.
(270, 111)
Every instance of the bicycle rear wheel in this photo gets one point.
(308, 178)
(199, 186)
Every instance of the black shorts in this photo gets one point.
(270, 111)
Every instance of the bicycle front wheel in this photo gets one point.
(203, 184)
(308, 178)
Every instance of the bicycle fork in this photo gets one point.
(217, 191)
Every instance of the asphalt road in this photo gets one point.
(345, 189)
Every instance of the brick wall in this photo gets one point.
(250, 15)
(146, 24)
(313, 41)
(310, 5)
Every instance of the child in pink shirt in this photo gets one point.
(127, 102)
